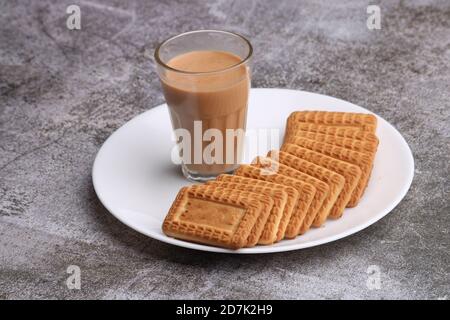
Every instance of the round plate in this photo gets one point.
(136, 180)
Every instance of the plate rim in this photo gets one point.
(261, 249)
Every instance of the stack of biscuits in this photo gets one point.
(322, 167)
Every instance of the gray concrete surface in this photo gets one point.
(62, 93)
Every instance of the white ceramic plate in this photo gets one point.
(136, 181)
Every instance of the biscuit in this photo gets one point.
(367, 122)
(334, 181)
(223, 218)
(341, 131)
(260, 223)
(337, 131)
(351, 173)
(322, 189)
(369, 144)
(306, 194)
(269, 233)
(290, 203)
(361, 159)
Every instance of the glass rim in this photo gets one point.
(243, 61)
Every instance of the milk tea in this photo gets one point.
(211, 87)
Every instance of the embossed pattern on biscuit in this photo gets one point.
(306, 194)
(213, 214)
(322, 189)
(368, 145)
(367, 122)
(267, 205)
(291, 202)
(214, 229)
(269, 233)
(361, 159)
(341, 131)
(336, 131)
(351, 173)
(334, 180)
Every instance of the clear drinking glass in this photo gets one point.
(207, 101)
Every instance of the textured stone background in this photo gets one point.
(62, 93)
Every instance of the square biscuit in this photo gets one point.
(306, 194)
(267, 202)
(223, 218)
(291, 202)
(351, 173)
(365, 121)
(361, 159)
(368, 144)
(341, 131)
(322, 190)
(334, 180)
(337, 131)
(269, 233)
